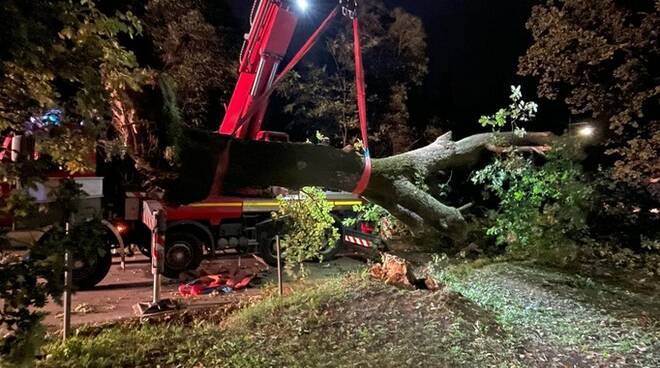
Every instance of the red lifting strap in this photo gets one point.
(362, 109)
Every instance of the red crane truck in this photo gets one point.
(241, 222)
(244, 222)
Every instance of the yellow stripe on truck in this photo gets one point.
(347, 203)
(217, 204)
(266, 204)
(260, 204)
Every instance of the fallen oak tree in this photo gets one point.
(187, 168)
(295, 165)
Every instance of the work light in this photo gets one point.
(303, 5)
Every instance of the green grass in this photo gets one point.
(150, 345)
(564, 311)
(490, 315)
(197, 341)
(312, 298)
(346, 321)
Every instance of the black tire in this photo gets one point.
(268, 252)
(183, 252)
(89, 272)
(329, 253)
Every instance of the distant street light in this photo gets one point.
(583, 130)
(586, 131)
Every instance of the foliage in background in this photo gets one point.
(624, 213)
(63, 54)
(199, 54)
(636, 264)
(555, 211)
(71, 148)
(395, 60)
(601, 58)
(322, 101)
(191, 48)
(310, 227)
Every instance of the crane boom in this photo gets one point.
(272, 28)
(272, 25)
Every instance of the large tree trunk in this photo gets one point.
(294, 165)
(252, 164)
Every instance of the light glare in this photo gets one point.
(121, 228)
(586, 131)
(303, 5)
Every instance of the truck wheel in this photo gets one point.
(268, 251)
(89, 272)
(329, 251)
(183, 252)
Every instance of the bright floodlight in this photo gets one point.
(586, 131)
(303, 5)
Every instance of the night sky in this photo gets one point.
(474, 46)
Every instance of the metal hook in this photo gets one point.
(349, 8)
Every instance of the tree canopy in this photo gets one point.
(601, 57)
(322, 95)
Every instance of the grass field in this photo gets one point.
(495, 315)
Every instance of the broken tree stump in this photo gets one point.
(394, 271)
(397, 271)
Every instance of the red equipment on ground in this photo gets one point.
(222, 283)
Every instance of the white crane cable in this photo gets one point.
(254, 9)
(251, 20)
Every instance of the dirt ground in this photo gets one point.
(115, 297)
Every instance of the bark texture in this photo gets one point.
(294, 165)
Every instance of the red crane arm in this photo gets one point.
(272, 28)
(271, 31)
